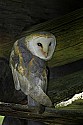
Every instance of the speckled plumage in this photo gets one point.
(25, 65)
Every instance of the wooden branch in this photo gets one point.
(50, 115)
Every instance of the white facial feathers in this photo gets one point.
(42, 46)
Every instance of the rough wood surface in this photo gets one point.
(50, 116)
(65, 87)
(65, 81)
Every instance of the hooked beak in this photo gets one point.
(45, 54)
(45, 51)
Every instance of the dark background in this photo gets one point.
(19, 15)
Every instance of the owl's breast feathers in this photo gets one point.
(29, 73)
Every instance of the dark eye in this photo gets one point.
(39, 44)
(50, 44)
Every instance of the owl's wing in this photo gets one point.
(36, 92)
(39, 96)
(15, 78)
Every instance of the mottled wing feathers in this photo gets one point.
(38, 94)
(29, 74)
(14, 61)
(15, 78)
(17, 65)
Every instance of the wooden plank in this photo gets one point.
(65, 81)
(65, 87)
(55, 24)
(50, 116)
(69, 33)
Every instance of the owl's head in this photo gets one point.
(41, 44)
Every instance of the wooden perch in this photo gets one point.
(49, 116)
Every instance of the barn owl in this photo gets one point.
(27, 61)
